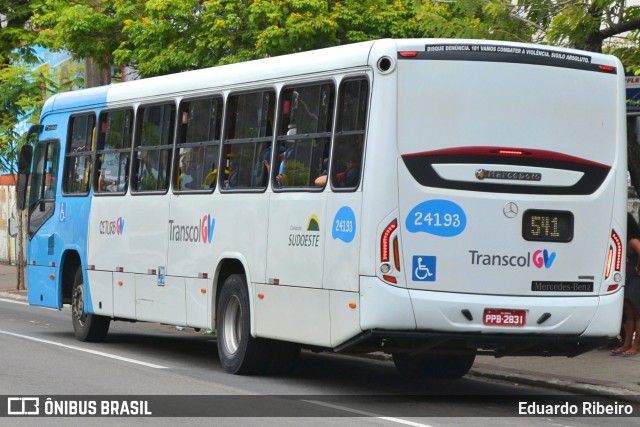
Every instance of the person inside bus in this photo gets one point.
(321, 180)
(288, 154)
(350, 176)
(185, 178)
(261, 168)
(631, 344)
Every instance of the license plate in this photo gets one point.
(503, 317)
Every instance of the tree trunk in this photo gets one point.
(94, 74)
(20, 261)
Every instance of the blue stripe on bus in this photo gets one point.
(55, 240)
(80, 99)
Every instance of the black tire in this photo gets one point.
(239, 352)
(428, 366)
(87, 327)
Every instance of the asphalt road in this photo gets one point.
(40, 357)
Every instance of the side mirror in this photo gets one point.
(24, 170)
(24, 167)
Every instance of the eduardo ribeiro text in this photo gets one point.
(587, 408)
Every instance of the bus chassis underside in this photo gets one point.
(498, 345)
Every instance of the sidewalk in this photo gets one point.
(595, 372)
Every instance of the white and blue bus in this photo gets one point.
(432, 199)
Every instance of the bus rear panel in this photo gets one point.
(511, 176)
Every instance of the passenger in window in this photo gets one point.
(233, 177)
(288, 154)
(321, 180)
(261, 169)
(185, 179)
(351, 175)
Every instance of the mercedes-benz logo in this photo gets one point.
(510, 210)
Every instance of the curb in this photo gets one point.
(553, 384)
(14, 295)
(560, 385)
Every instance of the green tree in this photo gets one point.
(165, 36)
(16, 35)
(21, 98)
(91, 30)
(474, 19)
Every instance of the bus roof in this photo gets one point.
(261, 70)
(339, 57)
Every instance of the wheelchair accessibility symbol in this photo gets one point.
(424, 268)
(63, 215)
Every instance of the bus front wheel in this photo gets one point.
(427, 366)
(87, 327)
(239, 352)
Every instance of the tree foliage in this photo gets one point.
(163, 36)
(16, 35)
(21, 98)
(86, 29)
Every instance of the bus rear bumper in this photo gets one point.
(498, 345)
(425, 316)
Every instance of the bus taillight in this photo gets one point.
(618, 242)
(510, 152)
(614, 256)
(607, 272)
(385, 241)
(396, 253)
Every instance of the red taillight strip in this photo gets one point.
(396, 253)
(384, 241)
(506, 152)
(607, 271)
(408, 54)
(618, 242)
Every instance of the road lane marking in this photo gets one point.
(368, 414)
(86, 350)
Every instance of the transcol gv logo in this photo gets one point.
(541, 258)
(201, 232)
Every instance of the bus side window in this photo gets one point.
(247, 145)
(79, 155)
(304, 135)
(154, 144)
(113, 152)
(198, 145)
(346, 165)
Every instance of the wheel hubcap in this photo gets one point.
(232, 325)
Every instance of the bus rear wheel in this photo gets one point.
(239, 352)
(87, 327)
(425, 366)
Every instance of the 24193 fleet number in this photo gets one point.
(437, 220)
(344, 226)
